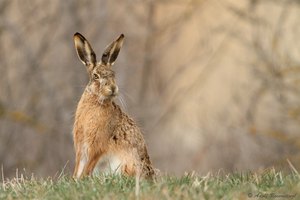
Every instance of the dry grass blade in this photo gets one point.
(2, 175)
(137, 184)
(63, 170)
(292, 167)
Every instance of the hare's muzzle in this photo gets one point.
(114, 90)
(110, 91)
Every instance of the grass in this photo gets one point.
(267, 185)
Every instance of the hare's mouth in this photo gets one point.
(110, 95)
(106, 98)
(113, 94)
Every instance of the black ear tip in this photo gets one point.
(121, 36)
(78, 35)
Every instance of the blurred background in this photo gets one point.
(213, 84)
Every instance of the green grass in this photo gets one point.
(267, 185)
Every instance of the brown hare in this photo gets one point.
(101, 128)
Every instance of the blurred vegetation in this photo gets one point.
(213, 84)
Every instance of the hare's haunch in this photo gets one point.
(101, 128)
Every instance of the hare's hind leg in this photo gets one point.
(148, 171)
(93, 159)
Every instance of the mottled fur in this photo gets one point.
(101, 127)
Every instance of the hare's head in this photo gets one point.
(102, 78)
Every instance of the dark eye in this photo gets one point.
(96, 76)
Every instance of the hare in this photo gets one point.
(101, 128)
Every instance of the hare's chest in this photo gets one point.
(93, 120)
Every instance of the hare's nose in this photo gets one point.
(114, 90)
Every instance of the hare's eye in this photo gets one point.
(95, 76)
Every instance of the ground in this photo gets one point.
(269, 184)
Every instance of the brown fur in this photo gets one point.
(101, 127)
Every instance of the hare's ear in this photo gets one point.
(84, 51)
(112, 51)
